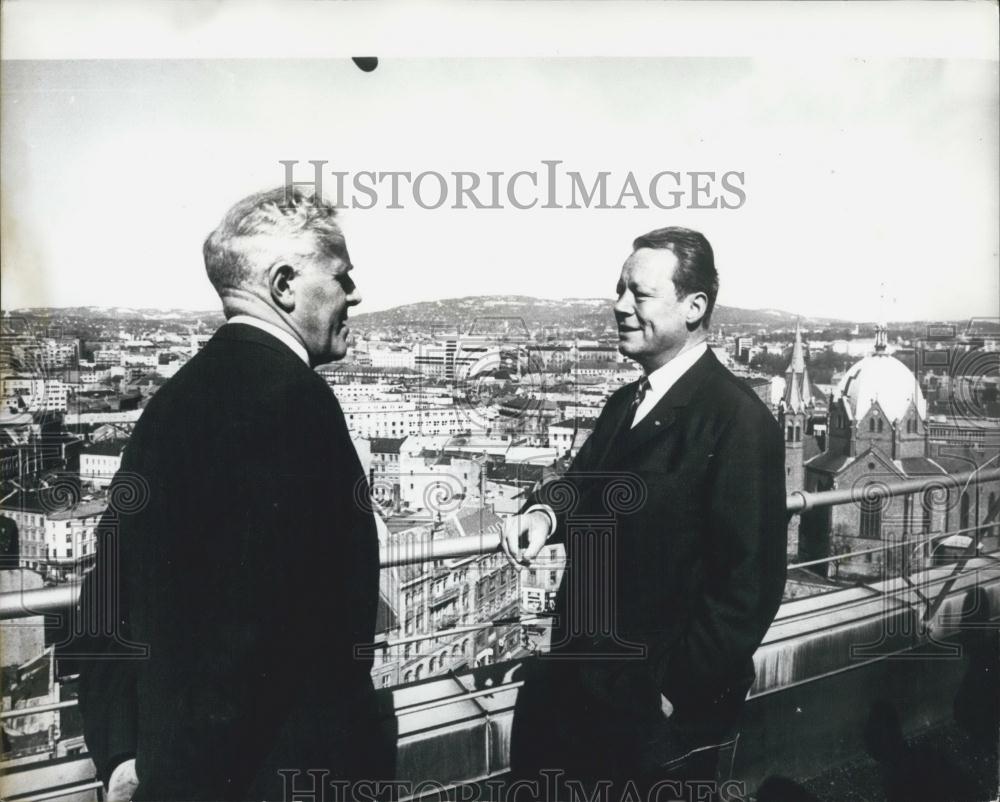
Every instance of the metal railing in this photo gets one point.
(799, 501)
(61, 792)
(59, 599)
(40, 601)
(31, 711)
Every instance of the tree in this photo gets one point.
(771, 364)
(841, 542)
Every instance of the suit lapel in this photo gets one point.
(616, 431)
(664, 415)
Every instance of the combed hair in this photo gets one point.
(266, 226)
(695, 271)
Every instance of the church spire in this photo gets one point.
(798, 389)
(798, 364)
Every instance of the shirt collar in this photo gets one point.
(275, 331)
(664, 377)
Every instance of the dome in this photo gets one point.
(881, 378)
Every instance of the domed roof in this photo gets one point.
(881, 378)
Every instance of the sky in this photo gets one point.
(871, 184)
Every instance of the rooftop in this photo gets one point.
(574, 423)
(386, 445)
(108, 448)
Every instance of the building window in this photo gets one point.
(871, 424)
(963, 511)
(880, 426)
(928, 505)
(871, 518)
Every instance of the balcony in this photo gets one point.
(448, 621)
(445, 596)
(828, 659)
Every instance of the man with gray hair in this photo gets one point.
(252, 573)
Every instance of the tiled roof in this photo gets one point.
(810, 447)
(386, 445)
(579, 423)
(830, 463)
(514, 472)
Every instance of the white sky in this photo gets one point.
(864, 177)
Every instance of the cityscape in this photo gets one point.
(491, 167)
(460, 408)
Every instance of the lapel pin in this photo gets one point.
(656, 422)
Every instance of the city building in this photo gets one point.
(541, 581)
(568, 436)
(434, 480)
(56, 531)
(100, 461)
(384, 472)
(380, 418)
(877, 434)
(445, 608)
(527, 417)
(744, 348)
(391, 356)
(33, 393)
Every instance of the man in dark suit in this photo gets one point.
(673, 516)
(251, 572)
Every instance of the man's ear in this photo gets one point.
(697, 307)
(281, 281)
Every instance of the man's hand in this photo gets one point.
(123, 782)
(666, 707)
(524, 534)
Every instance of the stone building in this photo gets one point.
(877, 434)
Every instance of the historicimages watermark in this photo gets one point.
(546, 186)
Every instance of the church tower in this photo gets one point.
(794, 411)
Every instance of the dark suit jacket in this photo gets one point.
(691, 565)
(251, 573)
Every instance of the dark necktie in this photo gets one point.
(640, 393)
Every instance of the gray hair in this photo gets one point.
(266, 227)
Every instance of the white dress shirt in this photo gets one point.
(275, 331)
(665, 376)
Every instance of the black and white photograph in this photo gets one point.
(499, 402)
